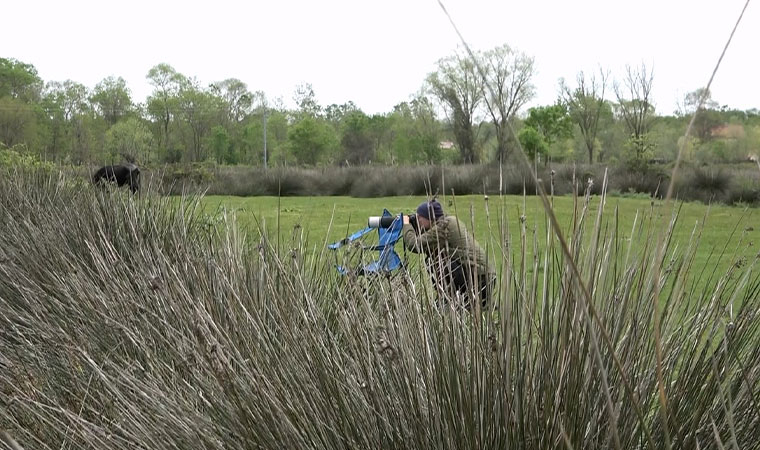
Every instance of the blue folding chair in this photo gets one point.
(389, 260)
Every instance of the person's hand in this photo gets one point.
(405, 219)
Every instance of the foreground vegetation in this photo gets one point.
(142, 323)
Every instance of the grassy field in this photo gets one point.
(153, 322)
(727, 232)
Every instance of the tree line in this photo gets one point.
(470, 109)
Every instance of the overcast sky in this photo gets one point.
(377, 53)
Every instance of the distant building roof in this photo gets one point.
(446, 145)
(730, 131)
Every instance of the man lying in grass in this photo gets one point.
(456, 262)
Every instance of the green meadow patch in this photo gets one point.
(727, 234)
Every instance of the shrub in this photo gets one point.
(744, 193)
(338, 181)
(705, 184)
(650, 181)
(15, 158)
(725, 185)
(179, 177)
(467, 180)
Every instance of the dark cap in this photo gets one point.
(432, 208)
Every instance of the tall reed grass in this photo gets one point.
(136, 322)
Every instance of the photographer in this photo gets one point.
(456, 262)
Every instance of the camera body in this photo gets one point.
(387, 221)
(413, 221)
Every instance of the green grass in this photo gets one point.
(727, 232)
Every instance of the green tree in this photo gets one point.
(252, 138)
(667, 132)
(636, 110)
(415, 132)
(20, 89)
(198, 112)
(336, 113)
(163, 103)
(221, 146)
(695, 100)
(306, 101)
(708, 116)
(459, 88)
(356, 140)
(277, 136)
(310, 140)
(380, 132)
(552, 122)
(129, 137)
(532, 142)
(19, 80)
(112, 99)
(75, 130)
(18, 122)
(237, 100)
(507, 88)
(586, 106)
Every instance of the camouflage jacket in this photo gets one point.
(445, 241)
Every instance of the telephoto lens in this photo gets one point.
(381, 221)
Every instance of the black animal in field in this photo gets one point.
(126, 174)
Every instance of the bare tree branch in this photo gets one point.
(585, 104)
(507, 87)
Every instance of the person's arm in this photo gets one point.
(429, 239)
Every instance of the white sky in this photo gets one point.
(377, 53)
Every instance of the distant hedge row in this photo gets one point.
(728, 184)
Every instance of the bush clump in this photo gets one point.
(15, 158)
